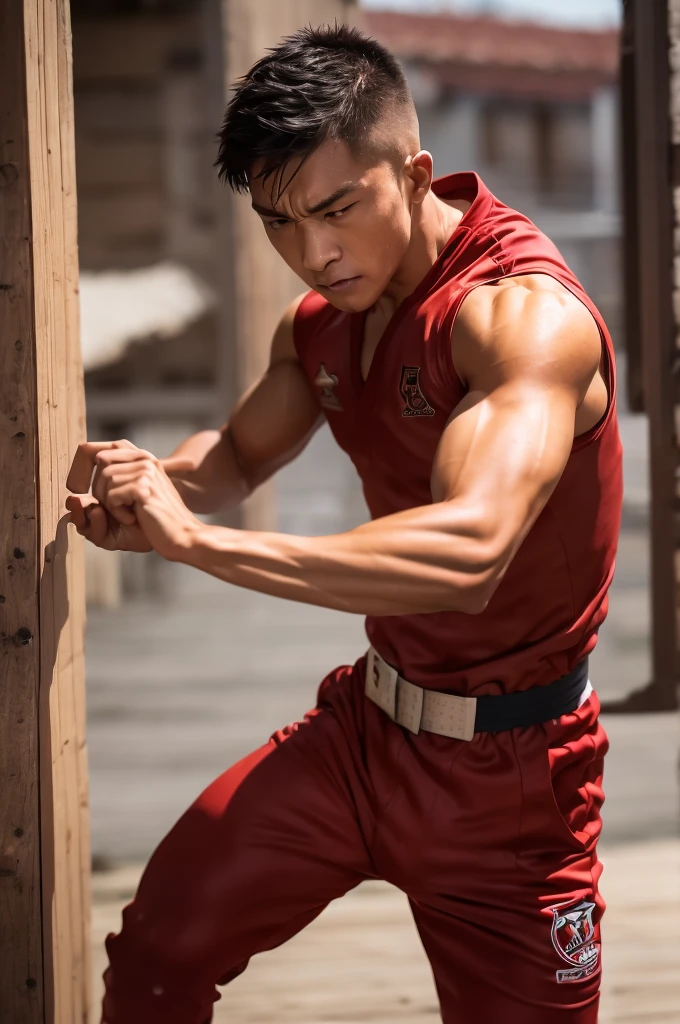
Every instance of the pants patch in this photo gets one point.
(573, 936)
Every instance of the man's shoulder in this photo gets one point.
(516, 316)
(499, 298)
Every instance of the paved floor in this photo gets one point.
(362, 960)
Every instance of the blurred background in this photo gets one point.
(179, 296)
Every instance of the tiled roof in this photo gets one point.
(492, 55)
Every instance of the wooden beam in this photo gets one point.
(44, 840)
(650, 41)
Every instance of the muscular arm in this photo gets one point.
(270, 425)
(529, 356)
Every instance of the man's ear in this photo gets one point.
(419, 168)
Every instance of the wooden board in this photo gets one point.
(42, 416)
(20, 915)
(658, 345)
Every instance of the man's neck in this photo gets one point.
(433, 223)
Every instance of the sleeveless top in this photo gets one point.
(545, 614)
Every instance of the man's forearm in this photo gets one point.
(215, 480)
(415, 561)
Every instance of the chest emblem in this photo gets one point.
(416, 403)
(327, 382)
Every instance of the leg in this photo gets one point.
(506, 898)
(255, 859)
(499, 963)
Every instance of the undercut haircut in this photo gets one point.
(331, 82)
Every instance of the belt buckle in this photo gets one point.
(381, 683)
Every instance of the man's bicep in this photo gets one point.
(276, 418)
(502, 454)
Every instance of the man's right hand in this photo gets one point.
(89, 516)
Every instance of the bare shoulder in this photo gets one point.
(283, 342)
(530, 324)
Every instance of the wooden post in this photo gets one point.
(651, 328)
(44, 840)
(258, 285)
(655, 239)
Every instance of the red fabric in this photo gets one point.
(544, 617)
(484, 837)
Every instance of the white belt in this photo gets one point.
(415, 708)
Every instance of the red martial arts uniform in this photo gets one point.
(493, 840)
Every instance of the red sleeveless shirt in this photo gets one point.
(546, 612)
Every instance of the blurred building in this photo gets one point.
(534, 110)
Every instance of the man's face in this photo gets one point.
(342, 224)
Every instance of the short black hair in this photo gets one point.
(330, 82)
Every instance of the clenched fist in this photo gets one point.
(123, 500)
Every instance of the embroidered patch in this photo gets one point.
(327, 381)
(416, 403)
(573, 935)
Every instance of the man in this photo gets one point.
(462, 367)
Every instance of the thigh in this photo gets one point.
(257, 857)
(514, 961)
(513, 934)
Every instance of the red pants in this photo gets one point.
(492, 840)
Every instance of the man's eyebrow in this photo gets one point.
(339, 193)
(317, 208)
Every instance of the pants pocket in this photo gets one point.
(562, 765)
(575, 748)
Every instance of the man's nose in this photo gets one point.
(317, 248)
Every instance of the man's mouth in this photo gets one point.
(341, 284)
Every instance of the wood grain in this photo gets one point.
(21, 995)
(43, 810)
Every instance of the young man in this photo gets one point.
(470, 379)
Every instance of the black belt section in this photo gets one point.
(530, 707)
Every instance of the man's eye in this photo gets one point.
(276, 224)
(336, 214)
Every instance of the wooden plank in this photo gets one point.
(42, 403)
(21, 971)
(61, 423)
